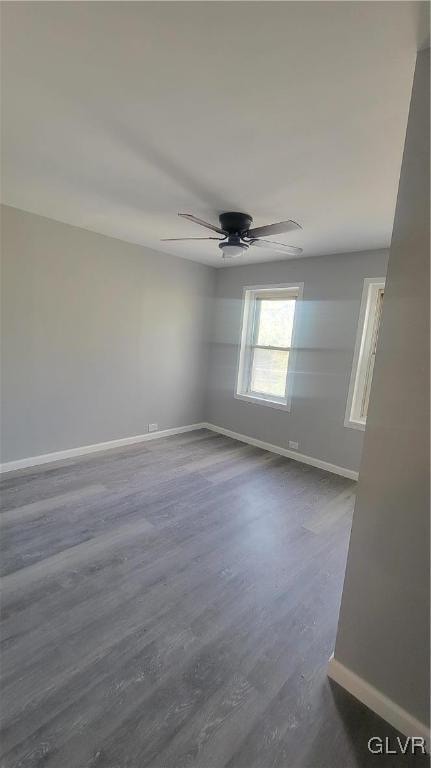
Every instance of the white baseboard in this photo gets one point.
(343, 471)
(377, 701)
(47, 458)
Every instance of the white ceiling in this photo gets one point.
(118, 115)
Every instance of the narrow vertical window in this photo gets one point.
(365, 353)
(265, 364)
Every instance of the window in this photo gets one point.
(365, 353)
(266, 353)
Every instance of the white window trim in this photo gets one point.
(362, 334)
(246, 331)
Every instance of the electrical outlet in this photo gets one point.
(293, 444)
(153, 427)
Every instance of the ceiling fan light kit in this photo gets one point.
(237, 237)
(231, 249)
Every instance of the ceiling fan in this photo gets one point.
(237, 237)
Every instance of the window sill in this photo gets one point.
(351, 424)
(263, 401)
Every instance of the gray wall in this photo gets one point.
(383, 632)
(100, 337)
(326, 337)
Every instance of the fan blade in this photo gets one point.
(274, 229)
(202, 223)
(176, 239)
(292, 250)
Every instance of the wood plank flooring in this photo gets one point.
(175, 604)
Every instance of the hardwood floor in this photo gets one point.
(174, 604)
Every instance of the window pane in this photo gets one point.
(362, 374)
(275, 322)
(268, 372)
(274, 319)
(372, 355)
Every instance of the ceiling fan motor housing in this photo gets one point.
(235, 223)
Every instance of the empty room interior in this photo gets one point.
(215, 277)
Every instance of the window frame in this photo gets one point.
(365, 341)
(250, 295)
